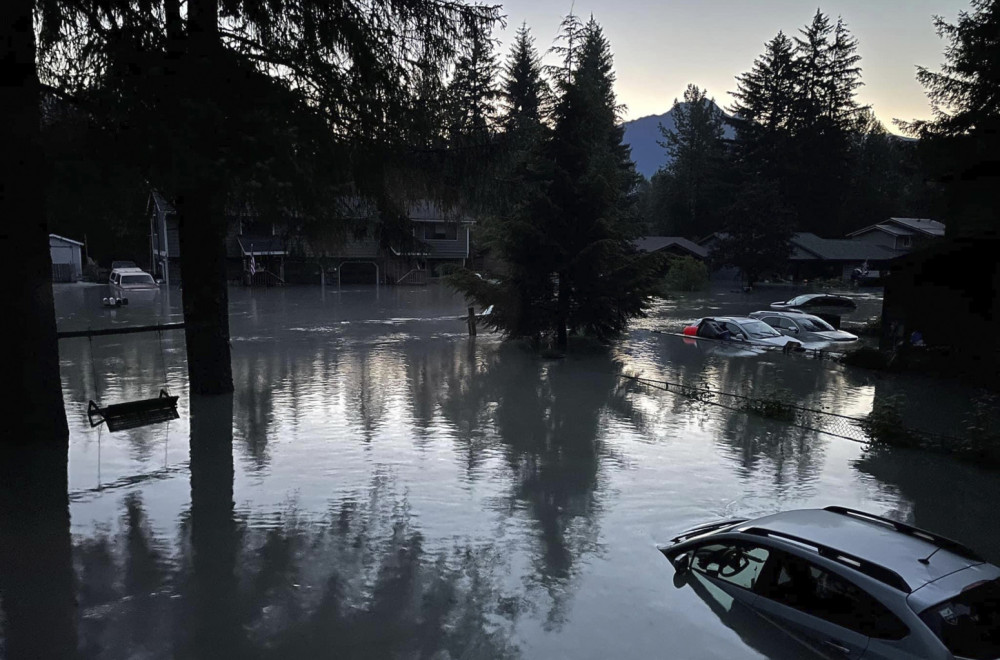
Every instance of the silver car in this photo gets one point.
(741, 329)
(848, 584)
(804, 327)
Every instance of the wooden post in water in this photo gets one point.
(472, 321)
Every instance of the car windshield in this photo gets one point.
(801, 300)
(814, 325)
(969, 624)
(759, 329)
(137, 279)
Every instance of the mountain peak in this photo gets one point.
(643, 136)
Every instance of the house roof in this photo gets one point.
(656, 243)
(67, 240)
(162, 205)
(883, 227)
(905, 227)
(809, 247)
(921, 225)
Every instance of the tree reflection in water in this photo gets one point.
(546, 419)
(358, 582)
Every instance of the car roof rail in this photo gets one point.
(938, 540)
(706, 528)
(875, 571)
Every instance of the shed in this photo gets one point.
(67, 259)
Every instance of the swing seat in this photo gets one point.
(133, 414)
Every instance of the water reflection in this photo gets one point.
(37, 603)
(953, 499)
(356, 583)
(382, 485)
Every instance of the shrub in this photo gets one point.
(884, 424)
(686, 274)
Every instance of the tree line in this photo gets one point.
(291, 106)
(796, 151)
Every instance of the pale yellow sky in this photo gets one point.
(660, 47)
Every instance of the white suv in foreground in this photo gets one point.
(848, 584)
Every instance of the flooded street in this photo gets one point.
(399, 489)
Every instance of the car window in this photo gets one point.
(785, 323)
(815, 325)
(773, 321)
(760, 330)
(969, 624)
(137, 279)
(798, 583)
(734, 329)
(736, 563)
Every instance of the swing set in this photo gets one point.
(129, 414)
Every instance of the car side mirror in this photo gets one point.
(795, 330)
(682, 563)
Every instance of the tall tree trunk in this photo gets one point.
(201, 206)
(206, 297)
(33, 409)
(37, 584)
(214, 627)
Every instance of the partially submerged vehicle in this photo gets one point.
(127, 280)
(741, 329)
(818, 303)
(849, 584)
(804, 327)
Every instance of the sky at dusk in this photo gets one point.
(661, 46)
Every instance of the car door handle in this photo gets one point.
(830, 644)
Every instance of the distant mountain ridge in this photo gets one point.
(642, 135)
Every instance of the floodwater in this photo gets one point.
(381, 485)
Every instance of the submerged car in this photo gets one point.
(849, 584)
(805, 327)
(741, 329)
(126, 280)
(818, 303)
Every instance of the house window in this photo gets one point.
(903, 241)
(441, 231)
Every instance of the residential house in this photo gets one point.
(438, 238)
(814, 257)
(67, 261)
(900, 234)
(442, 237)
(248, 238)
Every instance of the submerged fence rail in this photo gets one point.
(834, 424)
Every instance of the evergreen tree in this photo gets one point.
(964, 93)
(960, 144)
(756, 233)
(695, 179)
(762, 113)
(601, 284)
(795, 116)
(570, 265)
(472, 93)
(524, 92)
